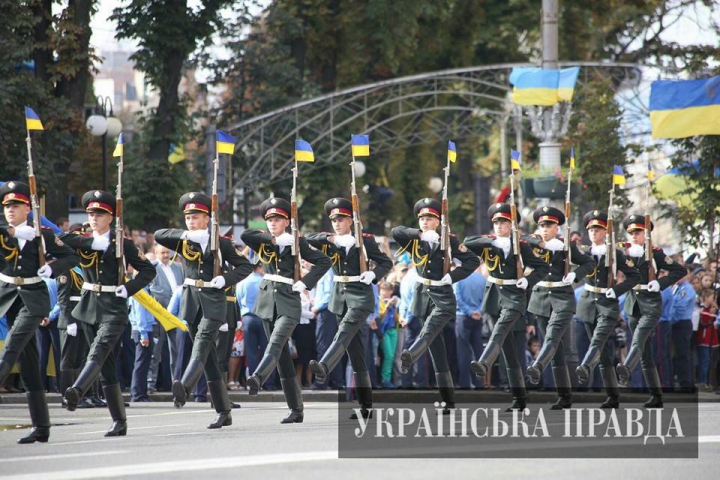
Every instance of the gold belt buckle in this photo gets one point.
(97, 288)
(19, 281)
(199, 283)
(344, 279)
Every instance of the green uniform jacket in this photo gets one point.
(275, 298)
(593, 304)
(352, 294)
(69, 285)
(639, 302)
(429, 262)
(501, 297)
(102, 268)
(25, 263)
(198, 265)
(544, 300)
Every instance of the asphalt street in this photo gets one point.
(164, 442)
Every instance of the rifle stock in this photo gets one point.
(215, 235)
(296, 237)
(648, 250)
(568, 255)
(357, 225)
(35, 207)
(610, 257)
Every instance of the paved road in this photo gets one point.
(164, 442)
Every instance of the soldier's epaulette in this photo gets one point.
(523, 241)
(453, 235)
(624, 245)
(562, 239)
(491, 235)
(43, 227)
(367, 235)
(227, 237)
(657, 249)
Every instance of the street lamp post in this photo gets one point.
(102, 123)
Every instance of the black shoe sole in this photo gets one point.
(478, 369)
(533, 374)
(405, 361)
(179, 394)
(253, 385)
(317, 369)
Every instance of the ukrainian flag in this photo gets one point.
(535, 86)
(304, 152)
(224, 143)
(360, 146)
(680, 109)
(118, 152)
(651, 172)
(32, 121)
(515, 162)
(566, 84)
(572, 158)
(618, 175)
(452, 152)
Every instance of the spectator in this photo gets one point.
(144, 333)
(388, 312)
(304, 341)
(684, 297)
(49, 335)
(707, 341)
(469, 326)
(326, 328)
(661, 345)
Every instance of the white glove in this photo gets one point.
(522, 283)
(554, 245)
(598, 250)
(100, 244)
(654, 286)
(502, 243)
(284, 240)
(610, 294)
(26, 232)
(446, 280)
(45, 271)
(569, 278)
(367, 277)
(72, 329)
(198, 236)
(217, 282)
(224, 327)
(344, 241)
(636, 251)
(431, 236)
(299, 286)
(121, 291)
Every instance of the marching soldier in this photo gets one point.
(204, 302)
(352, 298)
(103, 309)
(598, 306)
(643, 306)
(278, 300)
(505, 295)
(434, 299)
(24, 297)
(553, 300)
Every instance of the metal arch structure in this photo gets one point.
(434, 106)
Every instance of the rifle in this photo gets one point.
(295, 248)
(357, 224)
(648, 236)
(610, 257)
(445, 224)
(35, 203)
(215, 219)
(119, 225)
(515, 231)
(567, 225)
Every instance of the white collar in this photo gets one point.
(98, 235)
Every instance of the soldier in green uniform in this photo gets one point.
(278, 299)
(103, 308)
(204, 303)
(598, 306)
(434, 301)
(643, 306)
(352, 299)
(505, 295)
(24, 297)
(553, 299)
(72, 339)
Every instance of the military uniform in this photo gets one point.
(72, 347)
(25, 301)
(279, 305)
(224, 342)
(103, 308)
(204, 306)
(434, 300)
(504, 300)
(600, 314)
(553, 303)
(352, 300)
(643, 308)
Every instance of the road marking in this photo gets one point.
(63, 455)
(138, 428)
(709, 439)
(178, 466)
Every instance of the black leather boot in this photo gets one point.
(40, 418)
(363, 389)
(116, 406)
(221, 401)
(181, 388)
(83, 383)
(409, 356)
(293, 397)
(262, 372)
(564, 388)
(481, 366)
(447, 391)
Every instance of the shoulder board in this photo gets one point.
(367, 235)
(327, 233)
(492, 235)
(227, 237)
(301, 236)
(657, 249)
(453, 235)
(126, 238)
(562, 239)
(43, 227)
(523, 241)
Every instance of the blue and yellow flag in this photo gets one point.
(515, 160)
(177, 153)
(572, 158)
(303, 151)
(452, 152)
(618, 175)
(118, 152)
(545, 87)
(224, 143)
(361, 146)
(566, 84)
(32, 121)
(680, 109)
(651, 172)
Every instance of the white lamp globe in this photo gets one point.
(360, 169)
(97, 125)
(435, 184)
(114, 127)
